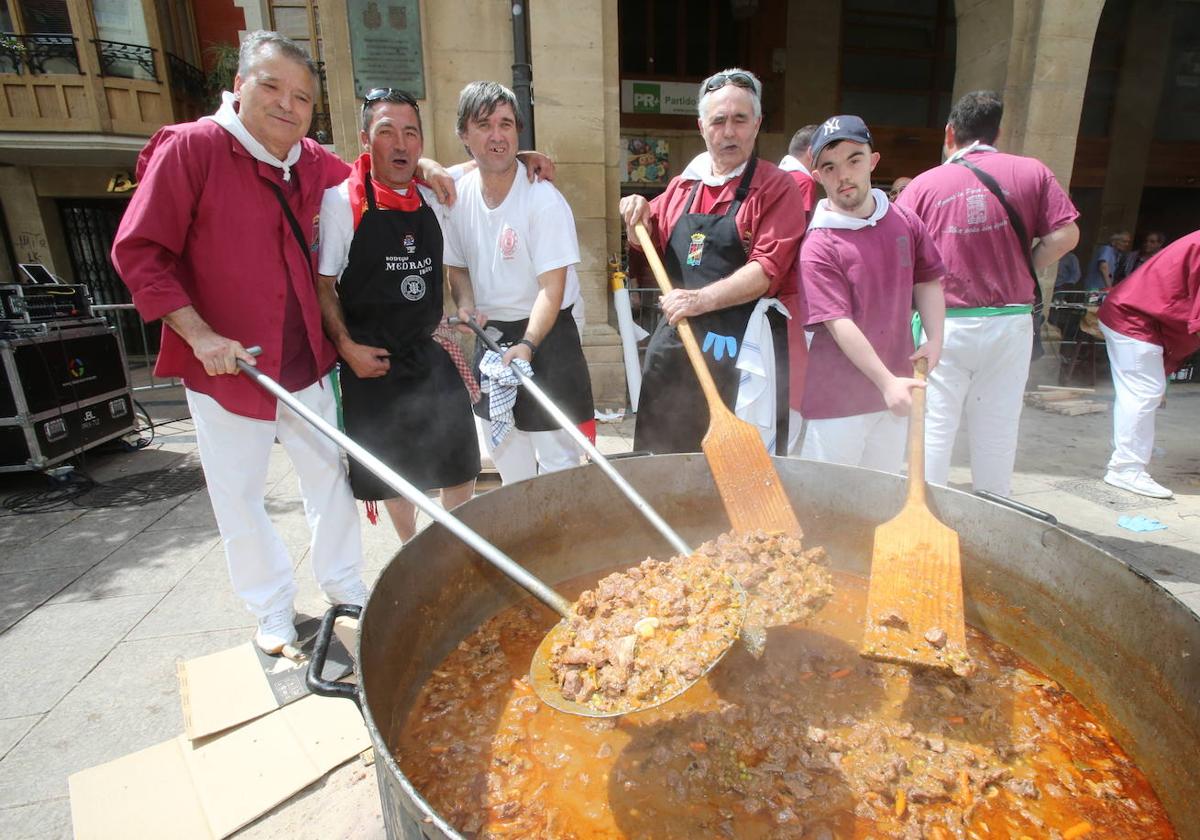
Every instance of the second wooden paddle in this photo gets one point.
(915, 600)
(746, 479)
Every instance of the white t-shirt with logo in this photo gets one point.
(505, 249)
(336, 229)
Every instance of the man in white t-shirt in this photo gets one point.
(515, 243)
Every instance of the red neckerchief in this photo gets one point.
(386, 198)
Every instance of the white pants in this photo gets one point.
(1139, 380)
(981, 377)
(522, 453)
(234, 451)
(875, 441)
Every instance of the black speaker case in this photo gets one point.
(80, 417)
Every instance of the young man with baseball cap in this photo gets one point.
(863, 265)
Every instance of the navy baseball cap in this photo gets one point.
(843, 127)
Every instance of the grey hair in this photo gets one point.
(261, 41)
(479, 100)
(756, 94)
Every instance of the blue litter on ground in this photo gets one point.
(1140, 523)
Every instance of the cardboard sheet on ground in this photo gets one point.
(208, 789)
(231, 687)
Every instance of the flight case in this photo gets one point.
(62, 390)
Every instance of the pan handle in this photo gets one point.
(1048, 518)
(316, 666)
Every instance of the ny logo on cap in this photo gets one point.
(832, 125)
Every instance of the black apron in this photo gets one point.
(417, 418)
(558, 367)
(672, 413)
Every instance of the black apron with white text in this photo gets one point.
(672, 413)
(559, 367)
(416, 418)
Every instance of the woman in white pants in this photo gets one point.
(1151, 323)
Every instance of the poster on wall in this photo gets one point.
(645, 160)
(385, 45)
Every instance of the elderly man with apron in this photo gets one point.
(403, 398)
(727, 226)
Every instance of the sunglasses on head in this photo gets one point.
(742, 80)
(399, 97)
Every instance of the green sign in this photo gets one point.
(646, 96)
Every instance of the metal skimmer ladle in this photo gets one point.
(540, 675)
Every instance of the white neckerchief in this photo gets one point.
(824, 216)
(700, 169)
(791, 164)
(974, 147)
(228, 119)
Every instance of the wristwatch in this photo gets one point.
(532, 347)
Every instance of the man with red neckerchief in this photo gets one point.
(380, 287)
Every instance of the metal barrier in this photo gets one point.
(124, 318)
(643, 301)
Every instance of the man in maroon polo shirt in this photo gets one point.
(1151, 324)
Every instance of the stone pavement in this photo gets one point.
(98, 604)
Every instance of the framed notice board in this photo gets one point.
(385, 45)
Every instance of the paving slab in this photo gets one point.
(193, 511)
(12, 730)
(18, 529)
(130, 701)
(25, 591)
(46, 820)
(48, 652)
(92, 535)
(201, 602)
(151, 563)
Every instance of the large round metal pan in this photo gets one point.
(1120, 643)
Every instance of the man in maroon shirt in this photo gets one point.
(1151, 324)
(988, 285)
(864, 265)
(216, 243)
(727, 228)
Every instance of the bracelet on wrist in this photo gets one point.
(532, 347)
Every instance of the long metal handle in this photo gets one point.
(435, 512)
(573, 430)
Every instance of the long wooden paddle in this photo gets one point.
(746, 479)
(915, 600)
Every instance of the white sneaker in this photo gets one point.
(354, 593)
(1138, 482)
(276, 630)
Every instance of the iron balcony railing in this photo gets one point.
(38, 53)
(186, 78)
(120, 59)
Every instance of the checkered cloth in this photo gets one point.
(446, 336)
(500, 384)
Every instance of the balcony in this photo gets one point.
(57, 85)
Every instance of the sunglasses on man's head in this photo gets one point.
(399, 97)
(742, 80)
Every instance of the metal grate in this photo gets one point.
(1097, 491)
(142, 488)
